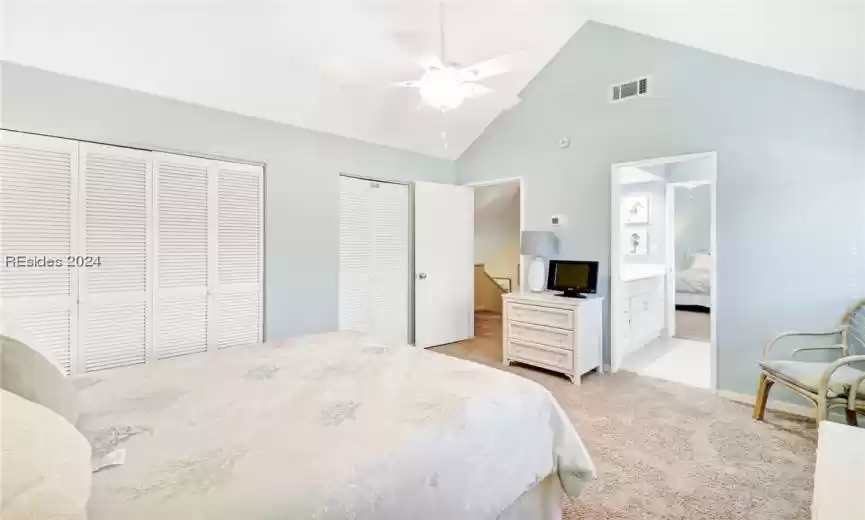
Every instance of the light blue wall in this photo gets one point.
(791, 182)
(301, 197)
(693, 222)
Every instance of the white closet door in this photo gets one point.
(390, 261)
(355, 255)
(373, 247)
(237, 294)
(38, 205)
(115, 299)
(181, 254)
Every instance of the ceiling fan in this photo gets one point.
(445, 86)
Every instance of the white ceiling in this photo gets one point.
(326, 65)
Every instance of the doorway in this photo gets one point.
(663, 268)
(497, 260)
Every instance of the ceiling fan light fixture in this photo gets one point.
(441, 89)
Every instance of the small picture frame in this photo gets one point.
(636, 241)
(635, 209)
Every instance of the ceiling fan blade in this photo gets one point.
(407, 84)
(431, 62)
(488, 68)
(471, 90)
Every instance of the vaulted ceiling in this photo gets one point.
(328, 65)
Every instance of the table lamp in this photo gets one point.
(538, 245)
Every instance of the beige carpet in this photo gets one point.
(693, 325)
(669, 451)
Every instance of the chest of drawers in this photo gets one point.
(561, 334)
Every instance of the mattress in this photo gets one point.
(324, 427)
(696, 281)
(693, 299)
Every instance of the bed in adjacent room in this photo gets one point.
(694, 284)
(327, 427)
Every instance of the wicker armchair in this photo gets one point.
(830, 384)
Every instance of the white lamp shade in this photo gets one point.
(538, 243)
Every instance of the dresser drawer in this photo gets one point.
(541, 354)
(563, 339)
(549, 316)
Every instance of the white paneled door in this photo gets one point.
(390, 269)
(38, 223)
(374, 258)
(114, 266)
(182, 253)
(355, 255)
(444, 263)
(111, 256)
(237, 290)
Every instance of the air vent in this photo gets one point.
(623, 91)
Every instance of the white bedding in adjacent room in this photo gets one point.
(692, 280)
(693, 287)
(325, 427)
(694, 284)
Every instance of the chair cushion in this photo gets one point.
(806, 374)
(24, 371)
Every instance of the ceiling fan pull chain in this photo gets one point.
(442, 33)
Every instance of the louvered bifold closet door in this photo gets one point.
(181, 253)
(115, 278)
(237, 293)
(355, 255)
(390, 276)
(38, 206)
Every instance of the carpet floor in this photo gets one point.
(669, 451)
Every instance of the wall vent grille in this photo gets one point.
(630, 89)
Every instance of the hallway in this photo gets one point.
(677, 359)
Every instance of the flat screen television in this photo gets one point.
(575, 278)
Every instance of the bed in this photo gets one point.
(326, 427)
(693, 285)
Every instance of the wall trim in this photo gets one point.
(774, 405)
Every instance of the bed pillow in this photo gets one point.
(26, 372)
(701, 261)
(46, 463)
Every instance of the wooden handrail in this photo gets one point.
(499, 279)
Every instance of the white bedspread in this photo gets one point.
(332, 426)
(692, 280)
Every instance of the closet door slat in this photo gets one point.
(38, 218)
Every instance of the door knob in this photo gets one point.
(422, 276)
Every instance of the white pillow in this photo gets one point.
(46, 463)
(701, 261)
(24, 371)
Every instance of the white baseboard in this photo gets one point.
(779, 406)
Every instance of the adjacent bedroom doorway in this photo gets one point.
(663, 269)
